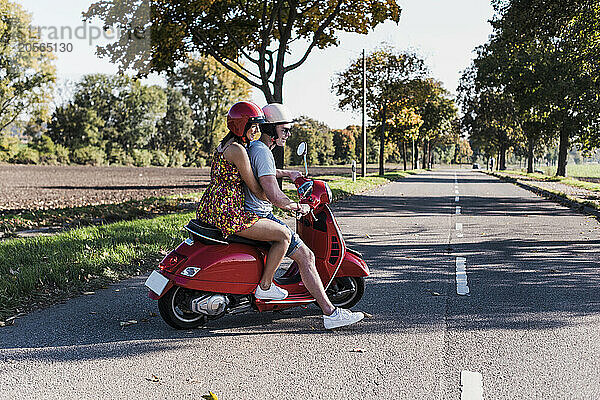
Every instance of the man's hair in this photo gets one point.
(268, 129)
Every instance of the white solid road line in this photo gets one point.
(471, 384)
(462, 286)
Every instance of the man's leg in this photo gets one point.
(305, 259)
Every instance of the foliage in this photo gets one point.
(174, 131)
(27, 71)
(318, 137)
(9, 147)
(344, 144)
(26, 155)
(210, 90)
(546, 56)
(251, 39)
(88, 155)
(388, 75)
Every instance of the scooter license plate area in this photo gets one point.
(157, 282)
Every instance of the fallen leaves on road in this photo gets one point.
(153, 379)
(367, 315)
(127, 323)
(210, 396)
(357, 350)
(89, 293)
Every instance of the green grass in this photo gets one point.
(577, 170)
(41, 270)
(94, 215)
(595, 187)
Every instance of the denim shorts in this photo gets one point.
(295, 242)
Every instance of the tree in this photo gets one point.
(210, 90)
(27, 73)
(318, 137)
(251, 38)
(388, 72)
(344, 144)
(174, 131)
(116, 114)
(405, 124)
(547, 57)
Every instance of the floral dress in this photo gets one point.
(222, 203)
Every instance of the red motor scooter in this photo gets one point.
(209, 276)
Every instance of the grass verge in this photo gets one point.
(75, 217)
(39, 271)
(532, 178)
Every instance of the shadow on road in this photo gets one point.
(515, 284)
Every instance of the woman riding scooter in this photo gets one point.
(222, 203)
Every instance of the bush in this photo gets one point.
(9, 147)
(89, 155)
(176, 158)
(142, 158)
(62, 154)
(27, 155)
(159, 158)
(48, 158)
(117, 155)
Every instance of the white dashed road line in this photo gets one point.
(462, 286)
(456, 199)
(471, 384)
(457, 210)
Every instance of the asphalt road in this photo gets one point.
(529, 327)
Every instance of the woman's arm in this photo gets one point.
(238, 155)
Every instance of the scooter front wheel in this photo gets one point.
(346, 291)
(174, 309)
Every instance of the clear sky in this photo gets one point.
(443, 32)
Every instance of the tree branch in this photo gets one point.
(221, 58)
(316, 37)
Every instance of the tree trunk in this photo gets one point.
(563, 150)
(404, 153)
(382, 143)
(502, 158)
(416, 156)
(530, 156)
(424, 157)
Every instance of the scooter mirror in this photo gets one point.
(301, 149)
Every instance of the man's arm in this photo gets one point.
(282, 173)
(276, 196)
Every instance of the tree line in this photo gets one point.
(115, 119)
(412, 114)
(535, 85)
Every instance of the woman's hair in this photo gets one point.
(230, 136)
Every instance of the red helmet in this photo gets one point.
(243, 114)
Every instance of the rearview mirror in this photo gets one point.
(301, 149)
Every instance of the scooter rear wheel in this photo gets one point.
(174, 309)
(346, 291)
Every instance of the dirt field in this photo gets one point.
(43, 187)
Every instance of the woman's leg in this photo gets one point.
(269, 231)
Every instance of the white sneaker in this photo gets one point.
(341, 317)
(272, 293)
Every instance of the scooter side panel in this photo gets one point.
(234, 268)
(352, 265)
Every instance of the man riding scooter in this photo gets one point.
(275, 132)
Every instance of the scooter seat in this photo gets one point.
(210, 234)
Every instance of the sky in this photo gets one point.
(444, 33)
